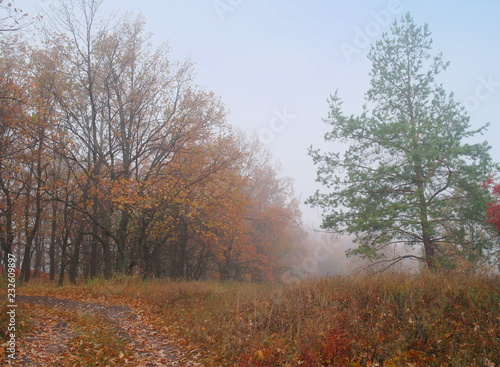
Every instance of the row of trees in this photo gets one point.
(112, 159)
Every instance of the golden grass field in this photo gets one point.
(385, 320)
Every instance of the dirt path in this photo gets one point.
(73, 333)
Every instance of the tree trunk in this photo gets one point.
(75, 257)
(181, 258)
(73, 264)
(31, 233)
(63, 263)
(426, 228)
(121, 258)
(106, 244)
(93, 248)
(7, 235)
(52, 244)
(39, 255)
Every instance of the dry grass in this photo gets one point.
(389, 320)
(385, 320)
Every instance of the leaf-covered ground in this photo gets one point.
(61, 332)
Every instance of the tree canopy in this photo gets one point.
(113, 160)
(410, 175)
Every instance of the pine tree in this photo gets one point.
(409, 173)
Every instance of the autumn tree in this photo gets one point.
(493, 210)
(12, 19)
(11, 127)
(35, 163)
(146, 139)
(69, 60)
(273, 217)
(12, 124)
(113, 159)
(127, 109)
(409, 172)
(216, 214)
(493, 217)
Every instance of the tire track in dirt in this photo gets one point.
(49, 337)
(47, 342)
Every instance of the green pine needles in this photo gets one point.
(408, 178)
